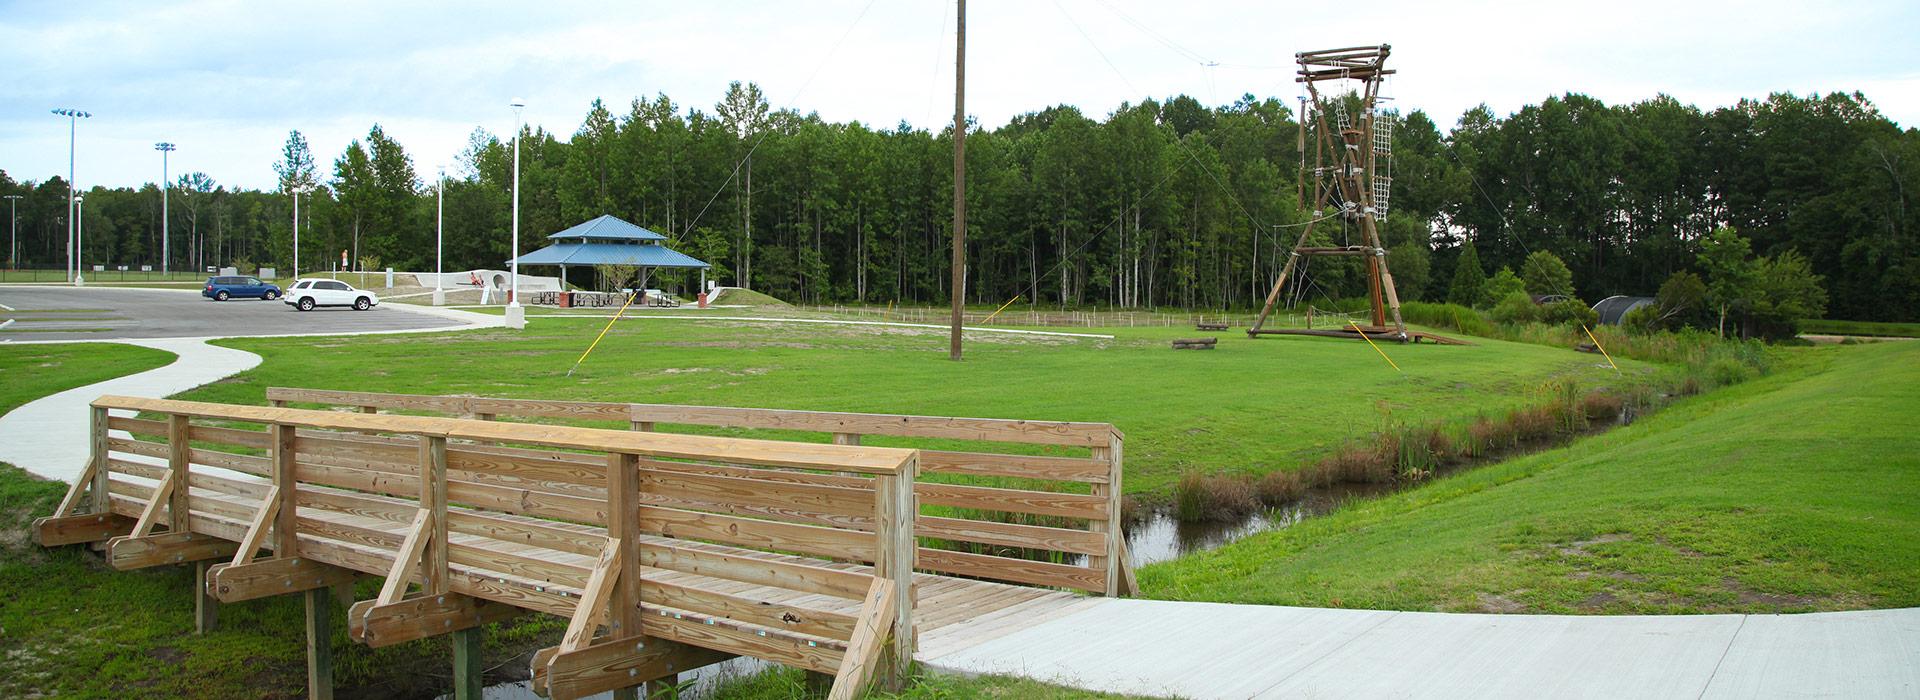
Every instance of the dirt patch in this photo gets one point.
(1748, 596)
(1597, 602)
(1503, 605)
(1579, 547)
(167, 655)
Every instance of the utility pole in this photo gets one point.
(959, 181)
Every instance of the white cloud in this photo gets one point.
(227, 79)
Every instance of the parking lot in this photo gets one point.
(96, 313)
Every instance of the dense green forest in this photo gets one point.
(1161, 203)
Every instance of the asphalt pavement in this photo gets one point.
(42, 313)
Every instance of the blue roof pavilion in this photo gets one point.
(608, 240)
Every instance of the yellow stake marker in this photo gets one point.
(603, 332)
(889, 312)
(1376, 348)
(1603, 349)
(1003, 307)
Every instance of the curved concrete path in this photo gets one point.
(48, 436)
(1216, 650)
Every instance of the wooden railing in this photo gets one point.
(471, 521)
(1078, 497)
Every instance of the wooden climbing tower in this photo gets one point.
(1350, 176)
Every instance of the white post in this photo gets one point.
(439, 236)
(516, 316)
(296, 231)
(80, 235)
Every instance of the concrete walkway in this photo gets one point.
(48, 436)
(1213, 650)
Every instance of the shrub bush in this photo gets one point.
(1517, 307)
(1571, 312)
(1448, 316)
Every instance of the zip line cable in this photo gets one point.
(762, 136)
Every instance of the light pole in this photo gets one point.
(164, 148)
(516, 316)
(439, 235)
(80, 235)
(293, 188)
(73, 119)
(13, 233)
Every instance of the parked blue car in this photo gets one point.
(224, 288)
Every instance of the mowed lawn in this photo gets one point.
(1795, 492)
(1250, 406)
(30, 371)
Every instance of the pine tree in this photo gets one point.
(1467, 277)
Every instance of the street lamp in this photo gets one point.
(73, 119)
(164, 148)
(439, 235)
(13, 233)
(293, 188)
(516, 316)
(80, 234)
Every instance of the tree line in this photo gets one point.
(1160, 203)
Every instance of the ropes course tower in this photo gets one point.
(1350, 176)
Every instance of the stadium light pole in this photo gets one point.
(165, 260)
(80, 235)
(439, 236)
(73, 120)
(516, 315)
(13, 233)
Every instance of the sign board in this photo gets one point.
(146, 268)
(267, 273)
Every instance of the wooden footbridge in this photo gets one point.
(665, 551)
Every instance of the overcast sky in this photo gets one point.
(227, 79)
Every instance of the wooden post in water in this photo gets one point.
(467, 684)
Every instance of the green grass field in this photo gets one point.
(1869, 328)
(33, 371)
(1250, 406)
(1795, 492)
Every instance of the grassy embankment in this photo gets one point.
(1249, 407)
(1867, 328)
(1793, 492)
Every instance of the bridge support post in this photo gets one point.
(319, 644)
(467, 666)
(206, 610)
